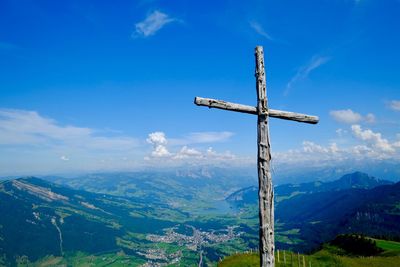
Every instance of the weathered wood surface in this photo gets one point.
(286, 115)
(292, 116)
(214, 103)
(265, 189)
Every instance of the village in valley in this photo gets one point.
(195, 242)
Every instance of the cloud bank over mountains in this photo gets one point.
(32, 143)
(162, 156)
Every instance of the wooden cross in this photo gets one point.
(265, 189)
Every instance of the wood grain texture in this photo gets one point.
(273, 113)
(214, 103)
(265, 189)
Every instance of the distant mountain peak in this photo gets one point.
(354, 180)
(358, 175)
(358, 180)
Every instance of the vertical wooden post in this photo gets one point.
(265, 189)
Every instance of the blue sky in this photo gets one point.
(99, 85)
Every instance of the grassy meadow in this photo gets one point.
(326, 257)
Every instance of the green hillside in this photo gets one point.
(119, 220)
(51, 224)
(326, 257)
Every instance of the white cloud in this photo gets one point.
(360, 150)
(227, 155)
(334, 148)
(395, 105)
(310, 154)
(260, 30)
(350, 117)
(373, 138)
(304, 71)
(22, 127)
(152, 23)
(207, 156)
(186, 154)
(370, 146)
(157, 138)
(159, 141)
(33, 144)
(311, 147)
(346, 116)
(160, 151)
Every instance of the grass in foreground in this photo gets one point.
(330, 255)
(391, 248)
(322, 258)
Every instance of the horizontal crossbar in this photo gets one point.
(214, 103)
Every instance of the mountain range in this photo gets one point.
(143, 219)
(358, 180)
(176, 217)
(315, 212)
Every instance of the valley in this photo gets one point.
(63, 221)
(179, 220)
